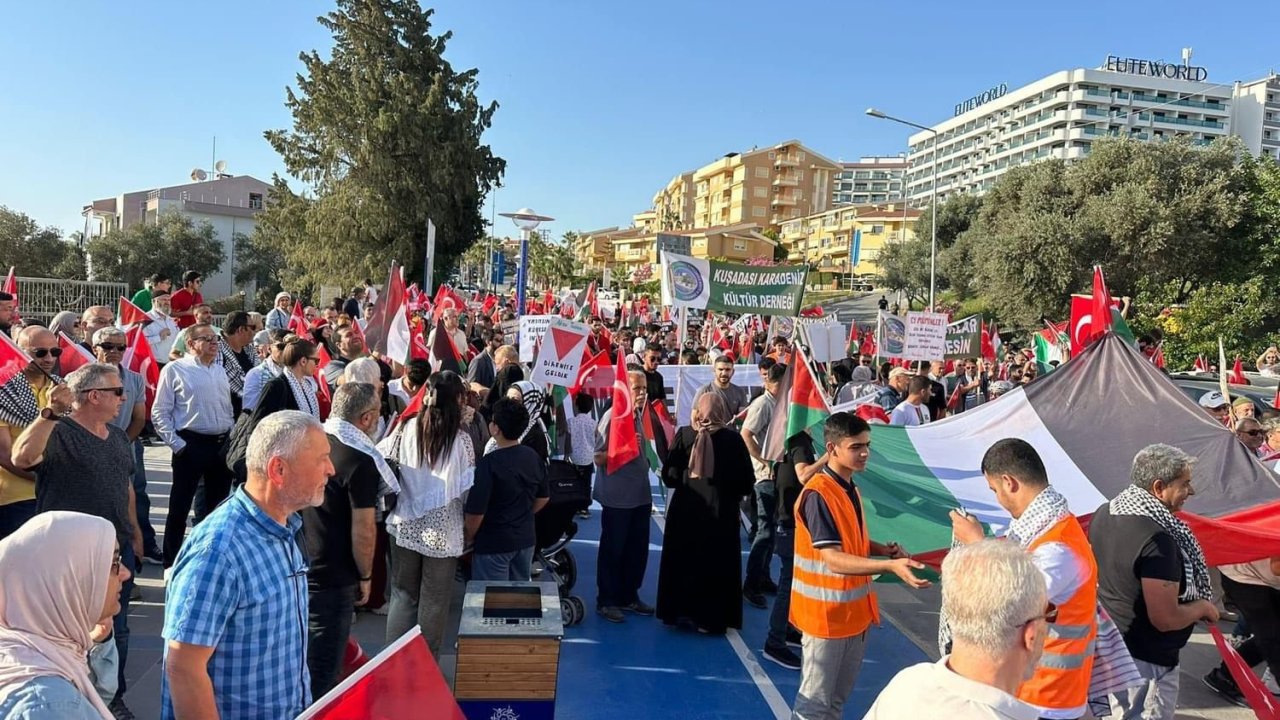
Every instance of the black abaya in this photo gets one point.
(700, 576)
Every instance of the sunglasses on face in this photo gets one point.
(1253, 433)
(1050, 615)
(41, 352)
(112, 347)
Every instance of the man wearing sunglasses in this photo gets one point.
(85, 464)
(109, 344)
(1045, 527)
(997, 597)
(17, 483)
(1250, 432)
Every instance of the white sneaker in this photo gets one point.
(1269, 680)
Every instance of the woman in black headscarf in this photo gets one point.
(700, 575)
(502, 382)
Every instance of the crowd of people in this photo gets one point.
(325, 478)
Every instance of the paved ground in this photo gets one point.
(650, 670)
(861, 307)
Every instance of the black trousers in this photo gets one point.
(200, 459)
(328, 627)
(1260, 606)
(623, 556)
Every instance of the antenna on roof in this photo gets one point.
(199, 175)
(220, 170)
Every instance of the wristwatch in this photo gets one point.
(48, 413)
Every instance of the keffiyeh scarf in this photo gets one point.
(303, 395)
(18, 405)
(231, 364)
(1136, 501)
(1045, 511)
(351, 436)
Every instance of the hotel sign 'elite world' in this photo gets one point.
(1155, 68)
(982, 98)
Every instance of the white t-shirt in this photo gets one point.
(933, 690)
(907, 414)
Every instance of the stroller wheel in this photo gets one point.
(579, 608)
(567, 612)
(566, 570)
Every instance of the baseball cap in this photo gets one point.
(1212, 399)
(897, 372)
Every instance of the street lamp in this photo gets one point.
(527, 220)
(933, 199)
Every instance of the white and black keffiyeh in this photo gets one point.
(351, 436)
(1133, 500)
(18, 406)
(303, 395)
(1045, 511)
(231, 364)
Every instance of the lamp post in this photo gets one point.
(527, 220)
(933, 198)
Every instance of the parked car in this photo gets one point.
(1193, 385)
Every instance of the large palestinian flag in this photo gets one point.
(1087, 420)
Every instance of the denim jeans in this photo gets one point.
(784, 547)
(15, 515)
(121, 621)
(329, 613)
(761, 554)
(143, 500)
(514, 565)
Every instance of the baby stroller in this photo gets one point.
(570, 492)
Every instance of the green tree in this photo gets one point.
(172, 246)
(550, 263)
(36, 251)
(388, 135)
(260, 265)
(904, 266)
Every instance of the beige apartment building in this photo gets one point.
(593, 250)
(673, 204)
(844, 243)
(766, 186)
(622, 251)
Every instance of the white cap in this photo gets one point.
(1212, 399)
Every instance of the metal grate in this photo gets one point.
(40, 299)
(507, 622)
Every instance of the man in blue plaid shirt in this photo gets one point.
(236, 603)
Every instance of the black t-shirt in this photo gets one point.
(654, 384)
(937, 402)
(799, 450)
(82, 472)
(327, 528)
(508, 480)
(818, 519)
(1129, 548)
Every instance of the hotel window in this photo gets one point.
(740, 245)
(762, 172)
(877, 229)
(760, 192)
(757, 212)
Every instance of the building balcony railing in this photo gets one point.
(783, 200)
(785, 161)
(785, 182)
(1179, 102)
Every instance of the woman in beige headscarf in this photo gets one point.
(62, 578)
(700, 575)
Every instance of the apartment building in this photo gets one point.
(1256, 114)
(873, 179)
(1059, 116)
(845, 242)
(673, 204)
(622, 251)
(765, 186)
(593, 250)
(229, 204)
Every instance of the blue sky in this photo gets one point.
(601, 102)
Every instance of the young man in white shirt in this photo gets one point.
(913, 410)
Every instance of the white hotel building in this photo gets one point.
(1061, 115)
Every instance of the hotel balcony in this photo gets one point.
(783, 200)
(785, 181)
(781, 160)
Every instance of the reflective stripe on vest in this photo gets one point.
(829, 595)
(1066, 662)
(816, 567)
(1059, 631)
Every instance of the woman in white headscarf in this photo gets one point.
(62, 584)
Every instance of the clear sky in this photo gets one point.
(601, 101)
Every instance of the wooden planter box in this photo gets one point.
(508, 650)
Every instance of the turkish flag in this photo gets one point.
(323, 397)
(1083, 329)
(624, 442)
(11, 287)
(298, 321)
(1237, 376)
(1263, 704)
(141, 359)
(595, 376)
(130, 314)
(74, 356)
(401, 681)
(417, 342)
(1100, 304)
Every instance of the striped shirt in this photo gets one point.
(240, 586)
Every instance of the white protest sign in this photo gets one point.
(531, 329)
(683, 381)
(561, 354)
(926, 336)
(826, 341)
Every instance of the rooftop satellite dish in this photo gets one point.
(199, 175)
(220, 167)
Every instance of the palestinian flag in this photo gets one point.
(806, 406)
(1087, 440)
(653, 427)
(1051, 344)
(444, 354)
